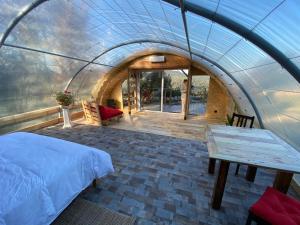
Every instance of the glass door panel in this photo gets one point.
(198, 96)
(173, 82)
(150, 86)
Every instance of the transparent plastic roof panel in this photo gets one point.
(208, 4)
(247, 13)
(84, 82)
(83, 28)
(169, 49)
(235, 91)
(9, 10)
(272, 77)
(198, 29)
(219, 41)
(31, 79)
(118, 55)
(281, 28)
(243, 55)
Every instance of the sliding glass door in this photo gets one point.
(150, 89)
(198, 96)
(173, 82)
(166, 91)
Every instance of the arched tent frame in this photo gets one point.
(245, 33)
(203, 12)
(181, 48)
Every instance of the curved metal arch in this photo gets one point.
(256, 39)
(18, 18)
(183, 49)
(206, 13)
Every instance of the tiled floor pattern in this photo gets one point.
(161, 179)
(167, 124)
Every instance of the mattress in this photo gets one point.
(40, 176)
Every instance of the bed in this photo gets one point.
(40, 176)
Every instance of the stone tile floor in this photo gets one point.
(163, 180)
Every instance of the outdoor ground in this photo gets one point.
(195, 108)
(163, 179)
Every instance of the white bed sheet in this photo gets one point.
(40, 176)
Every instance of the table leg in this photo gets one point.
(282, 181)
(211, 166)
(251, 172)
(220, 185)
(94, 183)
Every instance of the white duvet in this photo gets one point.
(40, 176)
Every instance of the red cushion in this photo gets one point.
(277, 208)
(107, 112)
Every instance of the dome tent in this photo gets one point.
(251, 45)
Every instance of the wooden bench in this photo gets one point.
(97, 114)
(91, 112)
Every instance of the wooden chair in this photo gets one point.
(91, 112)
(242, 120)
(239, 120)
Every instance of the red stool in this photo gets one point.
(275, 208)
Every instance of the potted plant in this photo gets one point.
(65, 99)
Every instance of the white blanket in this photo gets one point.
(40, 176)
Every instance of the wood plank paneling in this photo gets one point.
(171, 62)
(23, 117)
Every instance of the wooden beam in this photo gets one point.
(128, 94)
(41, 125)
(187, 97)
(162, 91)
(77, 115)
(52, 122)
(27, 116)
(211, 166)
(138, 91)
(172, 62)
(18, 118)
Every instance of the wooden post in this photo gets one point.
(128, 91)
(251, 173)
(138, 92)
(211, 166)
(220, 185)
(187, 97)
(282, 181)
(162, 92)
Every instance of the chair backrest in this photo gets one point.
(242, 120)
(111, 103)
(91, 112)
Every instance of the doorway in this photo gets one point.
(198, 95)
(161, 90)
(173, 82)
(150, 90)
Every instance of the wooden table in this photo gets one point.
(253, 147)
